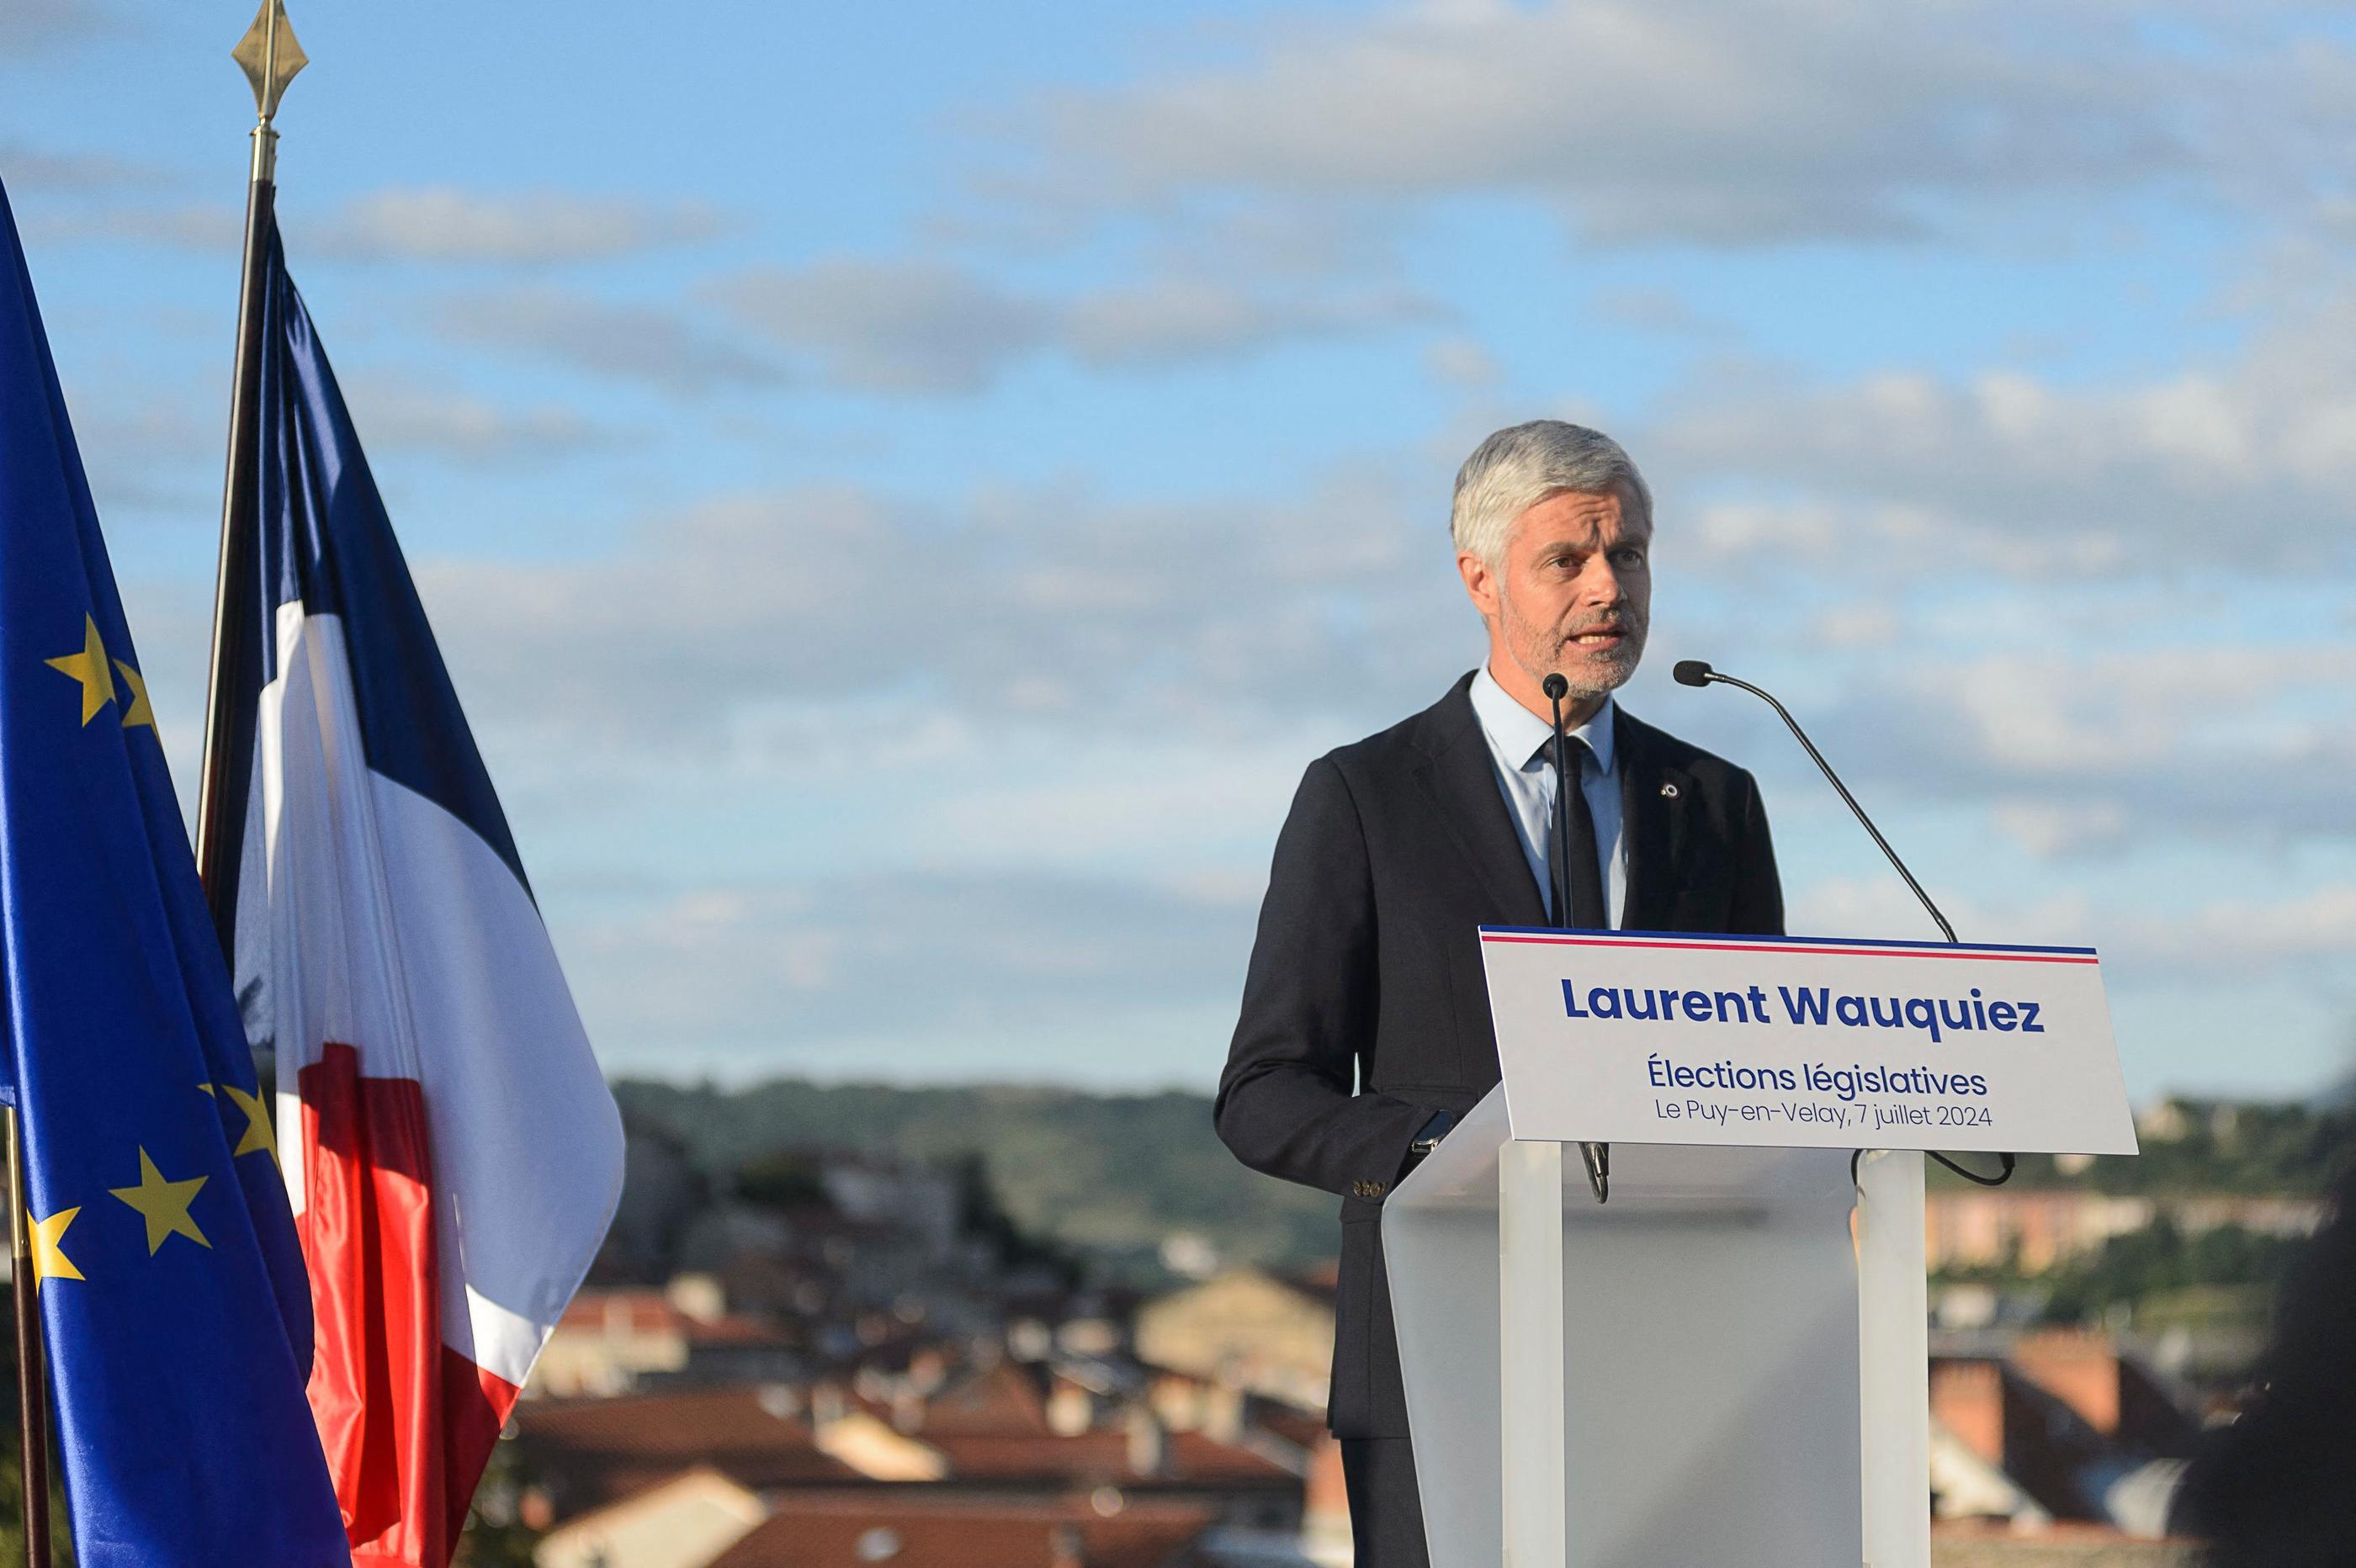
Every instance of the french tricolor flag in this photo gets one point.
(452, 1153)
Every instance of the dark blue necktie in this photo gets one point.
(1576, 875)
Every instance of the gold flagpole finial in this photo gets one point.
(271, 56)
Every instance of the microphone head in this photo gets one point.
(1692, 672)
(1554, 685)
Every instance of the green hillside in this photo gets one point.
(1112, 1175)
(1108, 1174)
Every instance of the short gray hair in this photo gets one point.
(1519, 466)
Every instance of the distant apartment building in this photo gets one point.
(1248, 1330)
(614, 1342)
(2034, 1229)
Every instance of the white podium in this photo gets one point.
(1726, 1365)
(1678, 1377)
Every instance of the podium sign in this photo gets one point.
(1629, 1036)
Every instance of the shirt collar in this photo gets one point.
(1516, 732)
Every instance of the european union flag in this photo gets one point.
(172, 1291)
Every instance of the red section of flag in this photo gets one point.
(378, 1383)
(475, 1405)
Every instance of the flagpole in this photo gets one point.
(271, 56)
(32, 1412)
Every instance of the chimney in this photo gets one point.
(1148, 1446)
(1071, 1409)
(697, 1296)
(1967, 1399)
(1222, 1414)
(1325, 1504)
(2080, 1369)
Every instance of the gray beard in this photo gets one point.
(1585, 689)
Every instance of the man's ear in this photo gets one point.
(1480, 583)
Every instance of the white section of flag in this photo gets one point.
(394, 928)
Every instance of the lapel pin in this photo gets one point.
(1668, 790)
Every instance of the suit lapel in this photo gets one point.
(1462, 778)
(1655, 803)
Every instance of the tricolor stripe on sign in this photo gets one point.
(452, 1154)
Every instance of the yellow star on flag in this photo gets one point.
(88, 667)
(260, 1135)
(138, 712)
(49, 1260)
(163, 1204)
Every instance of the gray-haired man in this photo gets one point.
(1365, 1028)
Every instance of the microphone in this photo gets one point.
(1597, 1157)
(1697, 672)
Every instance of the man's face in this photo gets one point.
(1574, 594)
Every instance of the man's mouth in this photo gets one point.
(1610, 636)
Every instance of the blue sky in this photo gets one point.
(906, 490)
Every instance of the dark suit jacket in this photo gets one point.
(1365, 1009)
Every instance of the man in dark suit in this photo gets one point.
(1364, 1027)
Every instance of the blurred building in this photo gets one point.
(1254, 1330)
(2031, 1230)
(2059, 1428)
(618, 1341)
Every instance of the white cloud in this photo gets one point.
(2049, 829)
(891, 326)
(402, 414)
(1694, 121)
(2248, 937)
(2086, 753)
(435, 224)
(739, 971)
(932, 327)
(2244, 467)
(1461, 362)
(27, 167)
(651, 343)
(1175, 319)
(1858, 626)
(1882, 906)
(446, 223)
(1020, 603)
(32, 26)
(190, 226)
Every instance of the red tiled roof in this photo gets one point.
(1301, 1428)
(1099, 1458)
(602, 1311)
(593, 1452)
(830, 1532)
(732, 1330)
(998, 1400)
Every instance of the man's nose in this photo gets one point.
(1599, 584)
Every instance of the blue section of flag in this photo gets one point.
(326, 540)
(173, 1299)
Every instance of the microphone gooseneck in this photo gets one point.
(1695, 672)
(1597, 1157)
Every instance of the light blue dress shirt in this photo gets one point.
(1517, 739)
